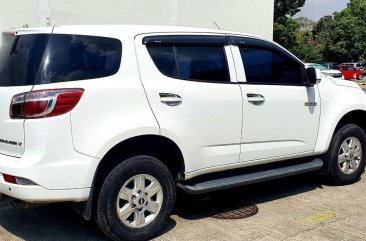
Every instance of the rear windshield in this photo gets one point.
(44, 58)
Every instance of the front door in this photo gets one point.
(280, 114)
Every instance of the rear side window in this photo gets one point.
(164, 59)
(21, 58)
(77, 57)
(264, 66)
(197, 63)
(45, 58)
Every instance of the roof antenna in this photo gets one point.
(216, 25)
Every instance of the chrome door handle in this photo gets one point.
(256, 99)
(170, 99)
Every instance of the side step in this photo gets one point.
(220, 183)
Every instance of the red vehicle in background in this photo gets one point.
(350, 72)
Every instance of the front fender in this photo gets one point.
(336, 102)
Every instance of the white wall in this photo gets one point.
(239, 15)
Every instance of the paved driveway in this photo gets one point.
(299, 208)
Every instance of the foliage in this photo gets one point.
(306, 48)
(305, 23)
(285, 28)
(284, 32)
(296, 36)
(337, 38)
(287, 7)
(344, 36)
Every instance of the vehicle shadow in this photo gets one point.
(59, 222)
(50, 222)
(193, 207)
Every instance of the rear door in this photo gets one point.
(191, 85)
(20, 56)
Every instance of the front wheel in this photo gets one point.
(360, 77)
(347, 155)
(136, 199)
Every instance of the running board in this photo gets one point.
(215, 184)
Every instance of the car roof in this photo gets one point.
(128, 29)
(113, 30)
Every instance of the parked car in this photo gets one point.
(331, 65)
(358, 66)
(117, 117)
(350, 72)
(324, 70)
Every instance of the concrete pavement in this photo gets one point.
(297, 208)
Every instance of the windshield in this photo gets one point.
(318, 66)
(45, 58)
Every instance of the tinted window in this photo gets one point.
(20, 63)
(44, 58)
(164, 59)
(202, 63)
(266, 67)
(77, 57)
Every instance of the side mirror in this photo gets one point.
(313, 75)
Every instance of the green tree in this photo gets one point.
(343, 36)
(285, 28)
(322, 26)
(306, 48)
(283, 8)
(284, 32)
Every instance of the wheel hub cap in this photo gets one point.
(350, 155)
(139, 201)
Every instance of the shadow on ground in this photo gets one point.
(59, 222)
(193, 207)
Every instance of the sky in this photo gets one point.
(315, 9)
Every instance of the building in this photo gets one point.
(248, 16)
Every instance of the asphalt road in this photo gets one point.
(298, 208)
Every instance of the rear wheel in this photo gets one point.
(360, 77)
(136, 199)
(347, 155)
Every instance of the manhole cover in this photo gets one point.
(239, 213)
(223, 209)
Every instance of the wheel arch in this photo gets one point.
(160, 147)
(356, 117)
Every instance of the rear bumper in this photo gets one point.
(58, 172)
(55, 180)
(38, 194)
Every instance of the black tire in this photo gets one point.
(106, 214)
(360, 77)
(336, 175)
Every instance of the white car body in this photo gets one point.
(216, 128)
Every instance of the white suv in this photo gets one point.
(115, 117)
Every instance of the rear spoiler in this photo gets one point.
(21, 31)
(10, 33)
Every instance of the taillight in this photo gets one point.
(44, 103)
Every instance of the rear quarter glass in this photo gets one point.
(5, 47)
(47, 58)
(21, 59)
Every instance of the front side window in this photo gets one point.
(263, 66)
(197, 63)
